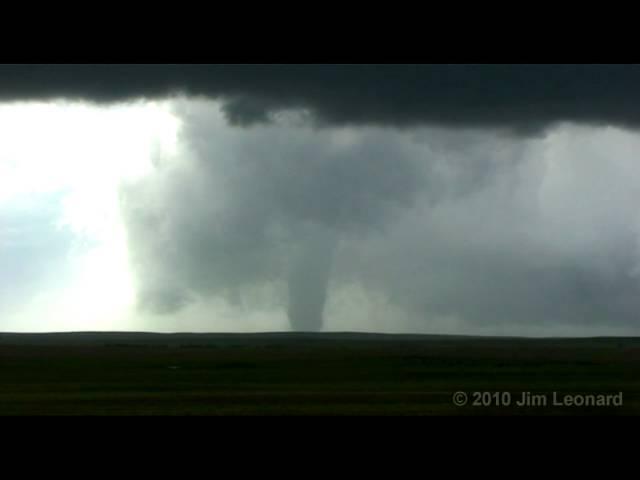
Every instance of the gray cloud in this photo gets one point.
(548, 240)
(245, 208)
(490, 230)
(522, 98)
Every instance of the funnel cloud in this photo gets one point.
(308, 280)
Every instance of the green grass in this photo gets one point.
(136, 374)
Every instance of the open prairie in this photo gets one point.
(315, 374)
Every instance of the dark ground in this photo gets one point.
(307, 374)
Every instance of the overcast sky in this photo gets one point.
(466, 199)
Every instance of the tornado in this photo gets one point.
(309, 279)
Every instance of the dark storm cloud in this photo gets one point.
(520, 97)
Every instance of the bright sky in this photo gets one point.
(61, 166)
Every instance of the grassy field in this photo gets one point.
(307, 374)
